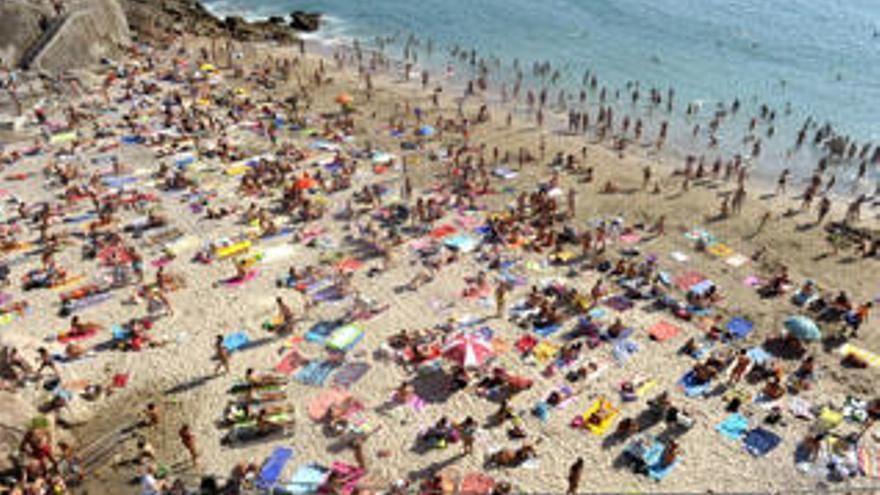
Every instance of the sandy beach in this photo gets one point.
(379, 130)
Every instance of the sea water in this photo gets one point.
(800, 57)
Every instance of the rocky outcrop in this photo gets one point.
(33, 35)
(21, 25)
(305, 21)
(154, 17)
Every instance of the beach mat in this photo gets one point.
(760, 442)
(321, 331)
(350, 373)
(307, 479)
(270, 473)
(344, 338)
(289, 363)
(733, 427)
(236, 341)
(739, 327)
(690, 386)
(663, 331)
(315, 373)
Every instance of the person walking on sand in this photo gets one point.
(574, 476)
(501, 299)
(765, 218)
(222, 355)
(468, 432)
(824, 209)
(188, 439)
(357, 447)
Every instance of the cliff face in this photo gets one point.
(33, 35)
(153, 17)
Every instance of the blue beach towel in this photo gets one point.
(760, 442)
(307, 479)
(315, 373)
(623, 350)
(272, 468)
(733, 427)
(321, 331)
(739, 327)
(691, 387)
(235, 341)
(758, 355)
(547, 331)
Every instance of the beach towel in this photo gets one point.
(611, 414)
(690, 386)
(345, 338)
(739, 327)
(752, 281)
(67, 337)
(679, 256)
(348, 475)
(623, 350)
(737, 260)
(318, 407)
(800, 408)
(462, 243)
(760, 442)
(307, 479)
(315, 373)
(350, 373)
(272, 468)
(236, 341)
(232, 249)
(236, 281)
(863, 355)
(758, 355)
(278, 253)
(631, 238)
(869, 462)
(657, 472)
(544, 351)
(688, 279)
(321, 331)
(720, 250)
(442, 231)
(476, 484)
(289, 363)
(619, 303)
(349, 265)
(547, 330)
(525, 344)
(733, 427)
(663, 331)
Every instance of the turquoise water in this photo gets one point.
(819, 58)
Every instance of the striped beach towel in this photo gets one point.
(872, 359)
(869, 462)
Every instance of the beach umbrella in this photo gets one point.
(425, 131)
(802, 327)
(344, 99)
(468, 349)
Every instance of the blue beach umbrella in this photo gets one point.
(802, 327)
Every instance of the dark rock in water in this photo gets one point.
(305, 21)
(276, 20)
